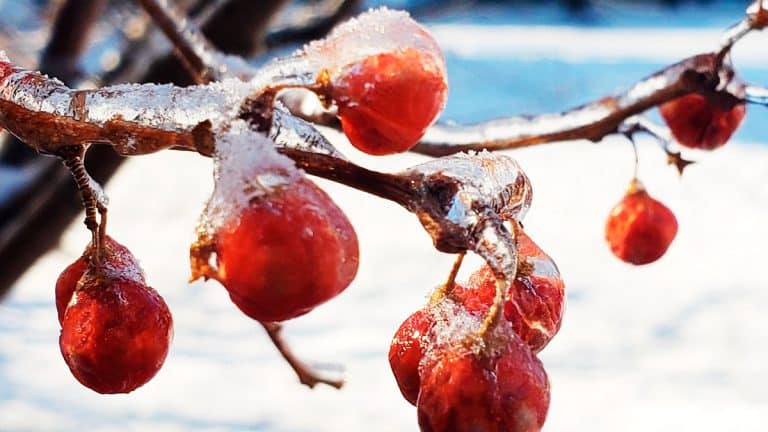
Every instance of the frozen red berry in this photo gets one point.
(639, 228)
(696, 123)
(387, 101)
(116, 330)
(499, 388)
(287, 252)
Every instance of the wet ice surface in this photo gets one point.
(675, 345)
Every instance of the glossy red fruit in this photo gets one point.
(387, 101)
(116, 331)
(535, 301)
(639, 228)
(407, 350)
(286, 253)
(696, 123)
(501, 389)
(116, 257)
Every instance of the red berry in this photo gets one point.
(387, 101)
(116, 330)
(697, 123)
(639, 229)
(116, 256)
(500, 389)
(287, 252)
(535, 301)
(407, 350)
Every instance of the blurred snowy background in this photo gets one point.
(676, 345)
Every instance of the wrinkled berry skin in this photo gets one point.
(116, 257)
(287, 252)
(503, 391)
(639, 228)
(535, 302)
(406, 352)
(387, 101)
(115, 333)
(696, 123)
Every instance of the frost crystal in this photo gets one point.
(246, 165)
(373, 32)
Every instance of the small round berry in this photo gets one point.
(697, 123)
(115, 333)
(502, 388)
(639, 228)
(406, 352)
(286, 253)
(387, 101)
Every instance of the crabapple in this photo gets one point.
(639, 228)
(116, 330)
(696, 123)
(498, 388)
(287, 252)
(387, 101)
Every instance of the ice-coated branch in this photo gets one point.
(708, 74)
(593, 121)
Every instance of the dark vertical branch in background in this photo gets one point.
(32, 220)
(69, 39)
(240, 26)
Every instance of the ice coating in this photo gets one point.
(292, 132)
(457, 328)
(492, 179)
(373, 32)
(168, 107)
(246, 165)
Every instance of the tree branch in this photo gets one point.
(593, 121)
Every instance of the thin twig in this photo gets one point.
(306, 375)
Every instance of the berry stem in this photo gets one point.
(450, 283)
(494, 312)
(73, 158)
(306, 375)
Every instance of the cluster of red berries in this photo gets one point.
(640, 229)
(496, 383)
(286, 250)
